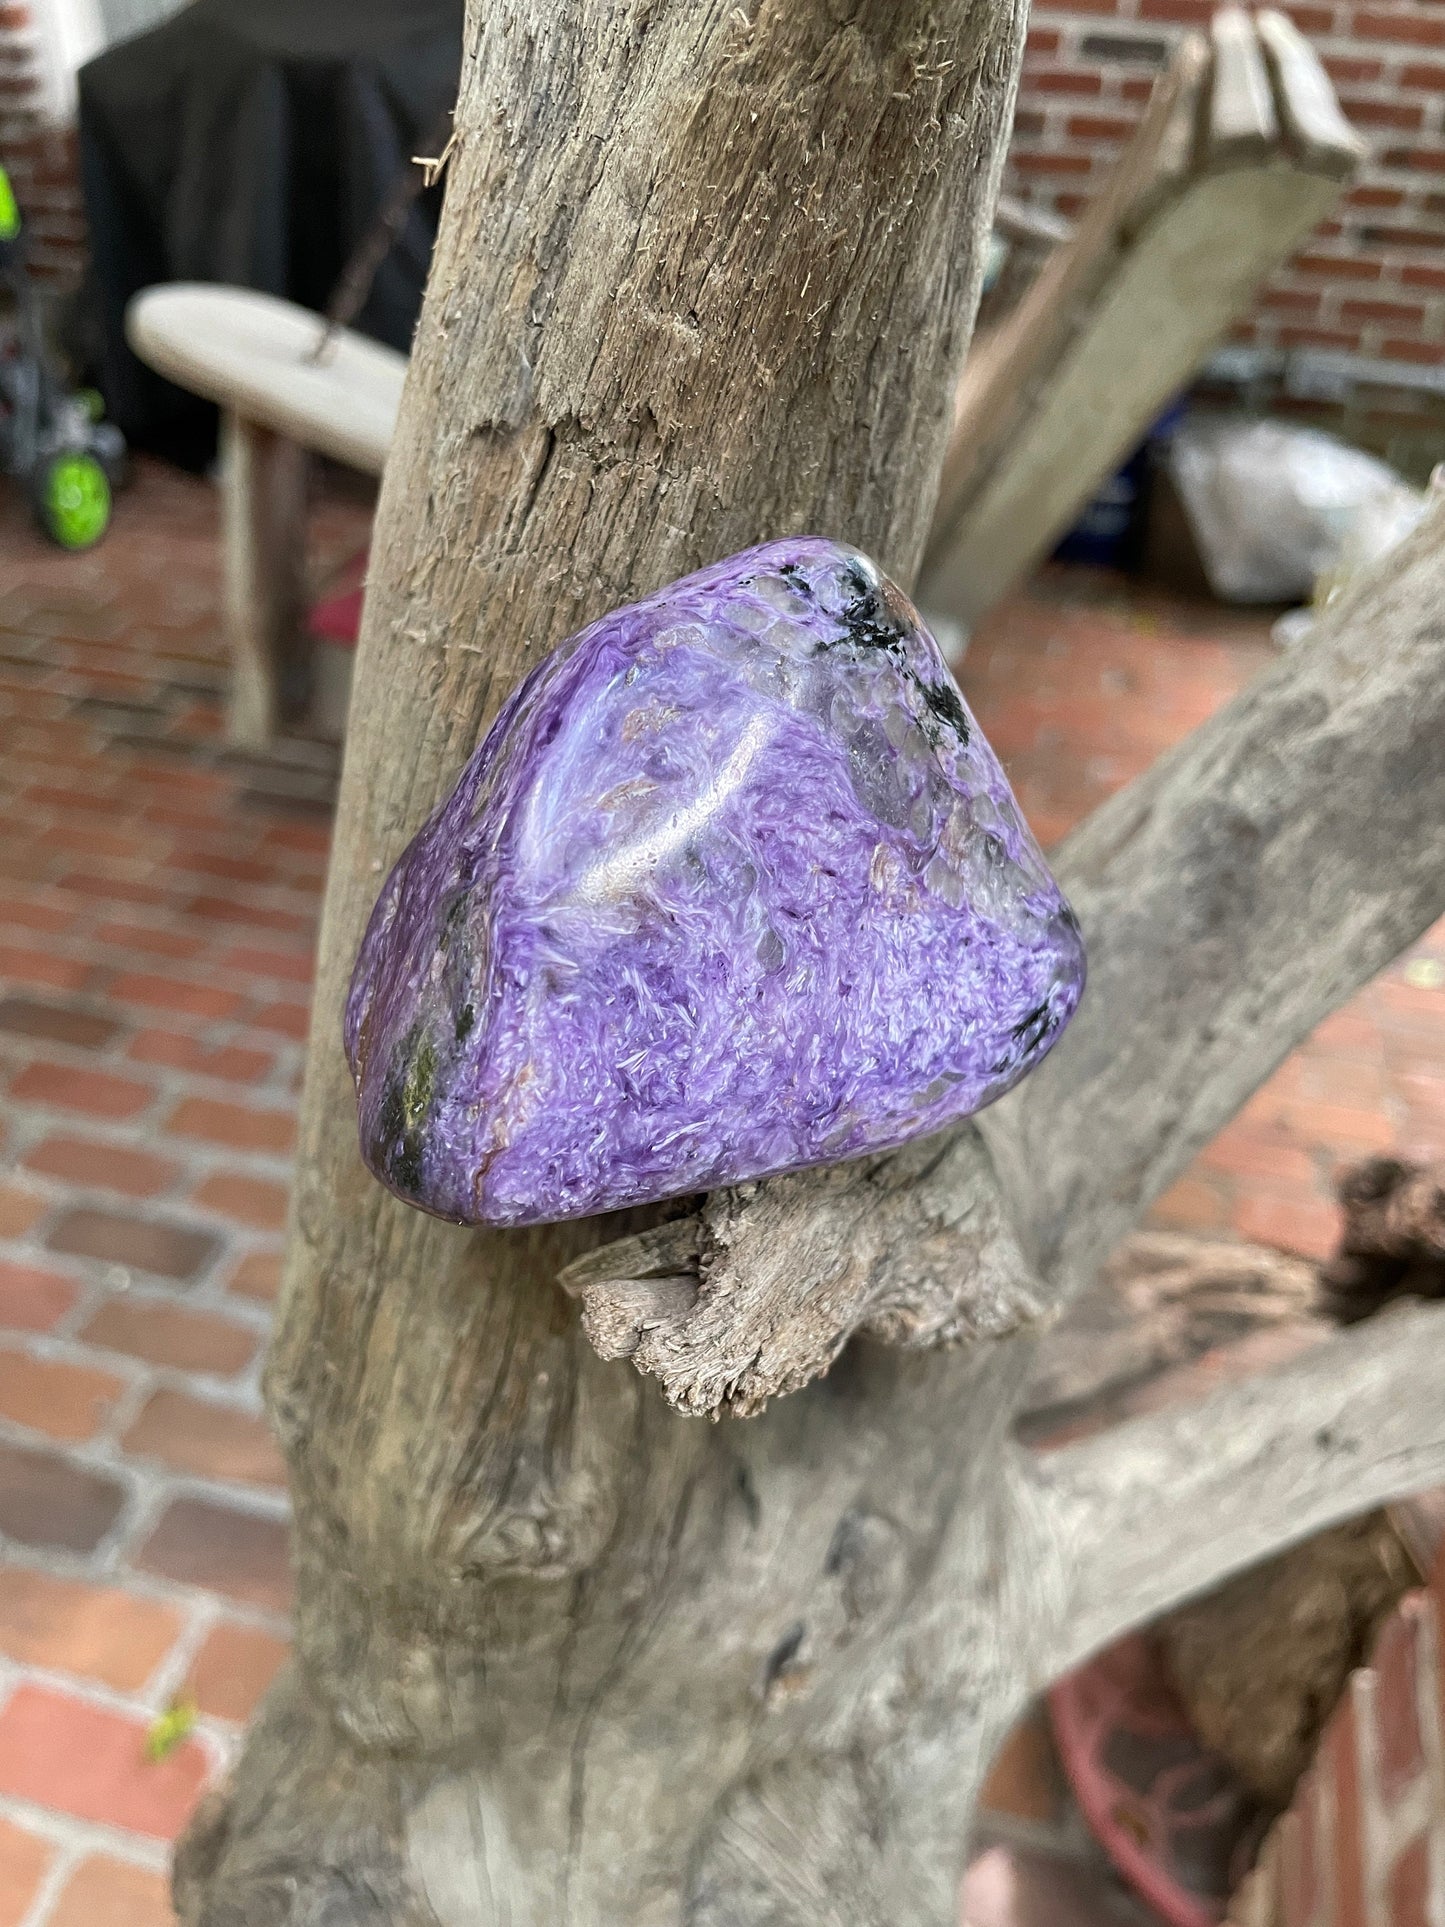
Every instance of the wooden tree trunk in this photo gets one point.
(702, 279)
(705, 276)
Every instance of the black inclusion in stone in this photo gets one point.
(453, 918)
(796, 580)
(868, 622)
(397, 1148)
(1031, 1030)
(942, 699)
(1026, 1035)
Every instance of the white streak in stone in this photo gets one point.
(624, 871)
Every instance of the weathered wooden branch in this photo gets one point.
(1233, 896)
(1162, 1301)
(1240, 153)
(705, 275)
(1230, 898)
(1162, 1507)
(758, 1290)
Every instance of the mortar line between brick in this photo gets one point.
(166, 1683)
(148, 1481)
(217, 1739)
(200, 1157)
(86, 1836)
(141, 1379)
(68, 1857)
(152, 1588)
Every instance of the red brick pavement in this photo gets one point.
(158, 896)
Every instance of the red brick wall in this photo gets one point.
(1363, 1843)
(1373, 279)
(40, 158)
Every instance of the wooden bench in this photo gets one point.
(1241, 152)
(255, 356)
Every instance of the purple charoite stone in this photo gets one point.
(733, 885)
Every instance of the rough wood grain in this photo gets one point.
(756, 1293)
(705, 275)
(1163, 1300)
(1232, 897)
(263, 524)
(564, 1655)
(1158, 1508)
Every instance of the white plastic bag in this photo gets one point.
(1274, 508)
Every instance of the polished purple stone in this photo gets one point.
(733, 885)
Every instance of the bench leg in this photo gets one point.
(263, 492)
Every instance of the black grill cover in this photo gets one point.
(251, 142)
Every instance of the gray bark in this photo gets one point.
(563, 1654)
(1276, 860)
(1151, 1503)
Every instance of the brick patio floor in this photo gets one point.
(158, 898)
